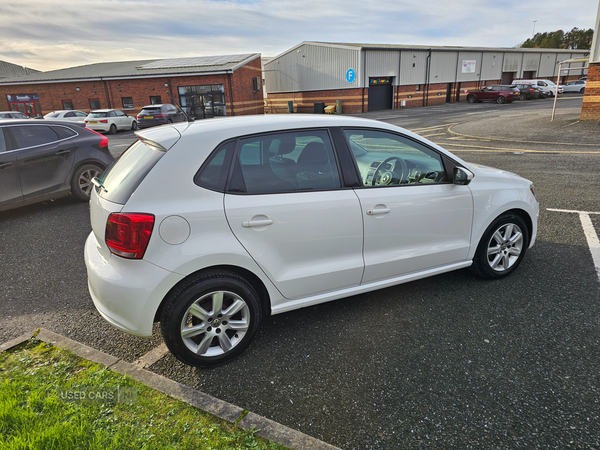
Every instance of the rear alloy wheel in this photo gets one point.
(211, 319)
(471, 99)
(502, 247)
(112, 129)
(81, 183)
(582, 90)
(522, 97)
(133, 125)
(500, 99)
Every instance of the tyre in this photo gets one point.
(133, 125)
(500, 99)
(169, 122)
(81, 183)
(112, 129)
(522, 97)
(582, 90)
(502, 247)
(471, 99)
(211, 319)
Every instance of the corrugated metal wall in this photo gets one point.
(313, 67)
(547, 65)
(531, 62)
(464, 57)
(512, 63)
(413, 66)
(382, 63)
(443, 67)
(491, 67)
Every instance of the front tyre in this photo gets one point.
(134, 125)
(501, 99)
(211, 319)
(502, 247)
(81, 182)
(471, 99)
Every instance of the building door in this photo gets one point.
(381, 93)
(449, 93)
(508, 77)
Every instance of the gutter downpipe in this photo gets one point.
(106, 92)
(230, 93)
(426, 87)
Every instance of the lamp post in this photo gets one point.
(533, 33)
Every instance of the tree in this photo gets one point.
(574, 39)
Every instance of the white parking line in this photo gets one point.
(590, 234)
(152, 356)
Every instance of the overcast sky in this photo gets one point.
(54, 34)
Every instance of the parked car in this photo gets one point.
(494, 93)
(546, 85)
(575, 86)
(209, 227)
(40, 161)
(110, 120)
(153, 115)
(13, 115)
(529, 92)
(67, 114)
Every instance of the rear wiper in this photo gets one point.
(96, 182)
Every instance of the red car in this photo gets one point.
(496, 93)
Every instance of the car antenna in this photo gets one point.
(189, 119)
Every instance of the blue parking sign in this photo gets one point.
(350, 75)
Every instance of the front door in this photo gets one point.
(10, 185)
(286, 206)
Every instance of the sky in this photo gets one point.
(55, 34)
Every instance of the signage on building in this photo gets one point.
(468, 66)
(22, 98)
(350, 75)
(378, 81)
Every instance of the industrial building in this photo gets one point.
(370, 77)
(204, 86)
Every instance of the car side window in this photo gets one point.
(112, 114)
(70, 114)
(387, 159)
(213, 173)
(2, 141)
(285, 162)
(30, 136)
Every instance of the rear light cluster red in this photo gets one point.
(160, 116)
(127, 235)
(104, 121)
(103, 140)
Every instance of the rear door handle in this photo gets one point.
(378, 211)
(257, 223)
(3, 165)
(63, 152)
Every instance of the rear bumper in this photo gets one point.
(150, 123)
(127, 293)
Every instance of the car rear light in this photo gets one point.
(103, 140)
(160, 116)
(85, 121)
(104, 121)
(127, 235)
(139, 116)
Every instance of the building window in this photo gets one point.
(95, 103)
(67, 104)
(127, 102)
(155, 100)
(203, 101)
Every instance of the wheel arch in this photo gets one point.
(255, 282)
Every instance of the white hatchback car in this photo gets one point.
(110, 121)
(210, 226)
(67, 114)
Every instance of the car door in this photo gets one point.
(415, 219)
(44, 158)
(287, 207)
(10, 184)
(486, 93)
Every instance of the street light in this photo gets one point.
(533, 33)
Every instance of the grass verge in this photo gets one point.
(52, 399)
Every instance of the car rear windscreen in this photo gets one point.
(152, 109)
(99, 114)
(123, 177)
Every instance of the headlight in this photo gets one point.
(532, 189)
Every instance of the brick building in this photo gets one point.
(369, 77)
(204, 86)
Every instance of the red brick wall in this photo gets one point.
(590, 109)
(352, 100)
(51, 95)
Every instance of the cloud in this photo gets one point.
(55, 34)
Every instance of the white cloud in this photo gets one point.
(48, 34)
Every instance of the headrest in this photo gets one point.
(287, 144)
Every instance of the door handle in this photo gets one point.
(3, 165)
(63, 152)
(257, 223)
(378, 211)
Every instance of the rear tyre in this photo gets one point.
(81, 183)
(522, 97)
(500, 99)
(582, 90)
(502, 247)
(112, 129)
(134, 126)
(211, 319)
(471, 99)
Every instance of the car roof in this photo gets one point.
(103, 110)
(156, 106)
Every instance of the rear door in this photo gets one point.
(44, 158)
(286, 206)
(10, 184)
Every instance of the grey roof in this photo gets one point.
(13, 70)
(139, 69)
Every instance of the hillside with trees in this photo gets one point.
(574, 39)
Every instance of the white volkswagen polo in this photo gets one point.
(210, 226)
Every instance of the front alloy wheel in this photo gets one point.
(211, 319)
(81, 183)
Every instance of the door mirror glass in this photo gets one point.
(462, 176)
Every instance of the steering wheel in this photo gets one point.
(387, 178)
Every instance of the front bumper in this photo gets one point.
(127, 293)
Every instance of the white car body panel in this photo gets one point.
(196, 228)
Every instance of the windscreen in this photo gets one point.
(122, 178)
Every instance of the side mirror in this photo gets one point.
(462, 176)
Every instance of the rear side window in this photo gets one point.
(123, 177)
(2, 141)
(31, 136)
(64, 132)
(213, 173)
